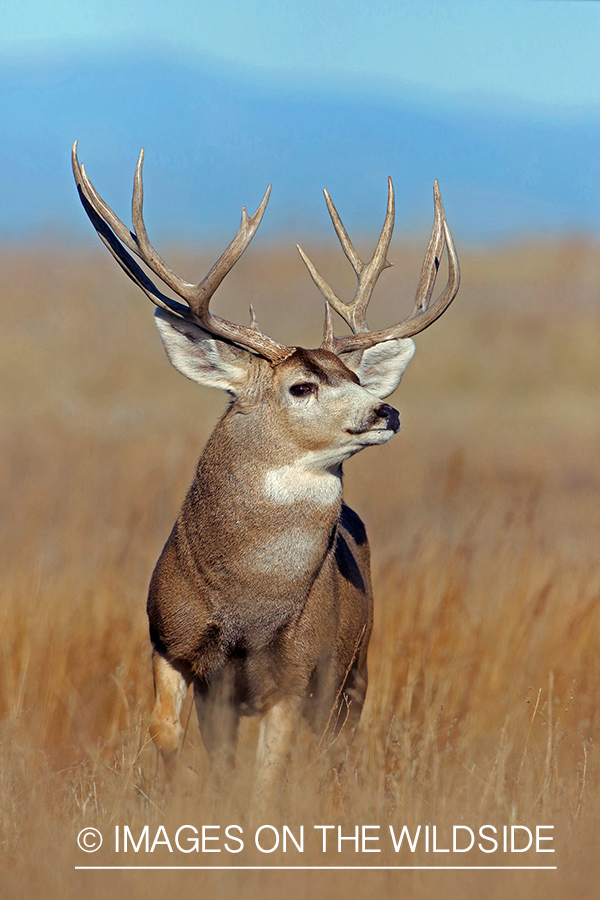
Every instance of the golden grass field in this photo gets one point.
(484, 521)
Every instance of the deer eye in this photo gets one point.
(303, 389)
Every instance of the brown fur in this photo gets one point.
(281, 639)
(262, 595)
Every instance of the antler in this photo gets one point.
(354, 312)
(117, 237)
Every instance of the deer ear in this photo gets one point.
(201, 357)
(380, 368)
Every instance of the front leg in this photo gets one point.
(218, 720)
(171, 683)
(277, 729)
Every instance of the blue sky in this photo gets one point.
(498, 100)
(530, 51)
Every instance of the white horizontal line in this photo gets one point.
(323, 868)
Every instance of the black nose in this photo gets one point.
(384, 411)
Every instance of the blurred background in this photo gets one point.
(498, 100)
(483, 514)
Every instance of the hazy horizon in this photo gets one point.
(498, 101)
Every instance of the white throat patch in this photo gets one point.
(299, 483)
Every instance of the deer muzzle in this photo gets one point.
(387, 412)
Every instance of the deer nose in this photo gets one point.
(384, 411)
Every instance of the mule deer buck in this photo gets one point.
(262, 595)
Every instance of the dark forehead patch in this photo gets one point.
(323, 365)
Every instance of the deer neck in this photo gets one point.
(258, 508)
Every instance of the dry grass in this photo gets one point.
(484, 517)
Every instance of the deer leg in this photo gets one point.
(218, 721)
(171, 682)
(277, 729)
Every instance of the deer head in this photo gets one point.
(328, 401)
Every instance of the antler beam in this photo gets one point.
(117, 237)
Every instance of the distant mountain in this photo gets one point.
(215, 139)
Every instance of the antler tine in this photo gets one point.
(342, 234)
(422, 315)
(227, 260)
(98, 205)
(354, 312)
(433, 254)
(253, 319)
(146, 251)
(112, 232)
(320, 282)
(116, 236)
(328, 335)
(372, 271)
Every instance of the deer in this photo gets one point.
(262, 596)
